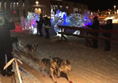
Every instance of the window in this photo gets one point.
(75, 9)
(0, 5)
(11, 5)
(23, 5)
(67, 7)
(5, 5)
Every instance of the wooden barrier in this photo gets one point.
(86, 31)
(89, 30)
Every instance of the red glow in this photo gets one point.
(14, 11)
(18, 28)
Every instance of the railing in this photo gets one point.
(86, 32)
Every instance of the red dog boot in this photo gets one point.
(58, 76)
(71, 82)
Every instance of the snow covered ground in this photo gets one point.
(88, 65)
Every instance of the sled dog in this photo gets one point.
(50, 65)
(63, 66)
(29, 48)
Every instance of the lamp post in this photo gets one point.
(114, 8)
(38, 10)
(37, 3)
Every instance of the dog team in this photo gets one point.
(54, 65)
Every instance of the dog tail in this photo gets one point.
(20, 44)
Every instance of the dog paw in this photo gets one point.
(58, 77)
(43, 75)
(71, 82)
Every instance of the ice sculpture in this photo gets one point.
(61, 18)
(87, 20)
(58, 19)
(23, 22)
(29, 23)
(75, 20)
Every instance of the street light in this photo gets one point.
(98, 10)
(114, 8)
(37, 3)
(38, 10)
(117, 11)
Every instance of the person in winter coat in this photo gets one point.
(5, 45)
(47, 27)
(39, 26)
(95, 26)
(107, 26)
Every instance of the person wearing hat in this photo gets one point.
(107, 26)
(5, 44)
(95, 26)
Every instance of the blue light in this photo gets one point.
(75, 19)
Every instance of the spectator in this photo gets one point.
(40, 25)
(47, 27)
(95, 26)
(5, 45)
(107, 26)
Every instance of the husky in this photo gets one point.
(63, 66)
(29, 48)
(48, 64)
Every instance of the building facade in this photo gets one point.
(18, 8)
(69, 7)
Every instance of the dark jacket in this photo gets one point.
(47, 22)
(5, 38)
(107, 27)
(95, 25)
(40, 22)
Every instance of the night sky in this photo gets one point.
(94, 5)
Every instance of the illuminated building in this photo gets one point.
(18, 8)
(69, 7)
